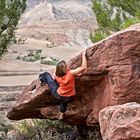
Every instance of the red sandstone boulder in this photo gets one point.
(112, 77)
(120, 122)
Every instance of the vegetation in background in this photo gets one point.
(114, 15)
(42, 129)
(53, 61)
(32, 56)
(10, 12)
(4, 126)
(35, 55)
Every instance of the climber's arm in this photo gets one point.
(82, 67)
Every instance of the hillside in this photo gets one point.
(67, 23)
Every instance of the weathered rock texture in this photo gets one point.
(112, 77)
(120, 122)
(63, 22)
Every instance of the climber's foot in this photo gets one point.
(61, 117)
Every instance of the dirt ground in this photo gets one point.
(12, 69)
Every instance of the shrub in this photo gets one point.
(44, 128)
(10, 12)
(98, 35)
(114, 15)
(49, 62)
(31, 56)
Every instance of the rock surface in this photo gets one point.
(120, 122)
(57, 10)
(112, 78)
(66, 23)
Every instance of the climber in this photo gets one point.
(63, 85)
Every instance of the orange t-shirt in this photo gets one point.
(66, 84)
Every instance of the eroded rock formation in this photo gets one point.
(120, 122)
(62, 22)
(112, 78)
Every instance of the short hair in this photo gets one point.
(61, 68)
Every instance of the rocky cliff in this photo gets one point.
(44, 10)
(66, 23)
(112, 78)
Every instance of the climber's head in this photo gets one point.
(61, 68)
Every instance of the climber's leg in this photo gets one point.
(63, 106)
(52, 84)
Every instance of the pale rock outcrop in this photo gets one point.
(71, 10)
(65, 23)
(120, 122)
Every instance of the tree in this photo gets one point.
(10, 12)
(114, 15)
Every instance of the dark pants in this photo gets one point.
(53, 86)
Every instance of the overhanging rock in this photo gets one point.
(112, 77)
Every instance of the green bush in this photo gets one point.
(10, 12)
(128, 22)
(49, 128)
(23, 127)
(98, 35)
(114, 15)
(32, 56)
(49, 62)
(4, 126)
(39, 51)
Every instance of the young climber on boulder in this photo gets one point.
(63, 86)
